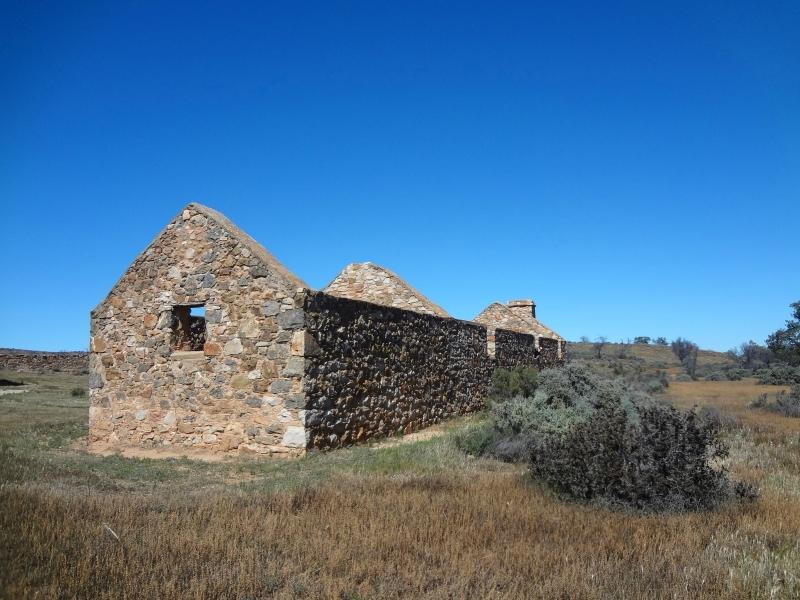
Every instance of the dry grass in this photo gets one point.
(417, 520)
(733, 397)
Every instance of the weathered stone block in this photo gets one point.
(294, 437)
(291, 319)
(233, 346)
(281, 386)
(212, 349)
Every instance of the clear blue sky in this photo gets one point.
(634, 167)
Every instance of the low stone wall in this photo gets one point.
(28, 361)
(374, 370)
(513, 349)
(548, 353)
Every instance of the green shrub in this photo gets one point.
(759, 402)
(778, 375)
(659, 462)
(77, 392)
(683, 377)
(565, 397)
(736, 374)
(785, 404)
(517, 381)
(476, 439)
(604, 440)
(657, 384)
(725, 375)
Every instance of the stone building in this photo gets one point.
(520, 316)
(208, 343)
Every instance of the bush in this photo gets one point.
(785, 404)
(658, 384)
(735, 374)
(720, 419)
(517, 381)
(661, 461)
(476, 439)
(77, 392)
(716, 376)
(778, 375)
(683, 377)
(604, 440)
(759, 402)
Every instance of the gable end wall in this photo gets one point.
(243, 394)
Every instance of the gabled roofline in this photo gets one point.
(524, 324)
(431, 304)
(255, 248)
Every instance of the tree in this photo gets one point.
(642, 339)
(690, 361)
(598, 346)
(661, 341)
(785, 343)
(686, 352)
(682, 348)
(752, 355)
(584, 339)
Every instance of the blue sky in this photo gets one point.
(634, 167)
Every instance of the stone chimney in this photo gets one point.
(522, 307)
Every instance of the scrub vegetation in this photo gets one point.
(422, 519)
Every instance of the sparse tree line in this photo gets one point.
(776, 362)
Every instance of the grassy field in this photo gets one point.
(419, 520)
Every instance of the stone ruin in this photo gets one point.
(208, 343)
(13, 359)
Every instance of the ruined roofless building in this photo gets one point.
(208, 343)
(520, 316)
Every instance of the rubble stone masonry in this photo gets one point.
(243, 392)
(376, 370)
(268, 366)
(513, 348)
(25, 360)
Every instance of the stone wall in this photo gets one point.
(243, 392)
(513, 348)
(25, 360)
(549, 353)
(374, 370)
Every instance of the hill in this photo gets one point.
(650, 355)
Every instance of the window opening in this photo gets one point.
(188, 327)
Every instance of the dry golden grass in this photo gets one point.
(416, 520)
(490, 536)
(733, 397)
